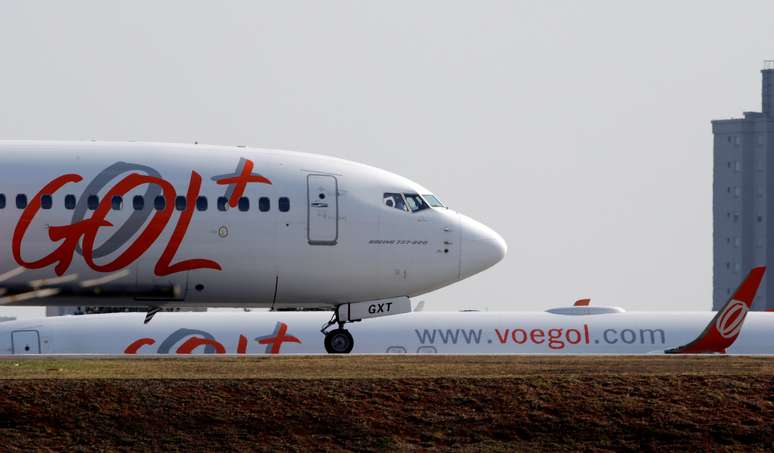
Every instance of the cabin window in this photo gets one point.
(201, 204)
(394, 200)
(222, 203)
(415, 202)
(159, 203)
(138, 203)
(21, 201)
(244, 204)
(69, 202)
(116, 203)
(92, 202)
(46, 202)
(264, 204)
(180, 203)
(2, 201)
(283, 204)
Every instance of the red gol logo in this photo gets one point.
(729, 323)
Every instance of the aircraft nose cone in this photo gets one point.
(481, 248)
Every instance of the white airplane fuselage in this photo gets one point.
(421, 332)
(188, 225)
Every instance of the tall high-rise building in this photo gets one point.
(743, 197)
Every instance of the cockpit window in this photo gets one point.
(433, 201)
(395, 200)
(415, 202)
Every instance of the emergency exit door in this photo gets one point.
(322, 210)
(25, 342)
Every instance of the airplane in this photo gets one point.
(171, 225)
(580, 329)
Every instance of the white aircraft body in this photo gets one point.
(164, 225)
(569, 330)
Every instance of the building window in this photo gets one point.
(180, 203)
(21, 201)
(737, 165)
(737, 191)
(2, 201)
(760, 218)
(737, 242)
(283, 204)
(69, 202)
(737, 140)
(222, 203)
(116, 203)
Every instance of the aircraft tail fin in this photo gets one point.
(722, 331)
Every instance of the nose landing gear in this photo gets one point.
(340, 341)
(337, 341)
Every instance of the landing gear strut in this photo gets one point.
(337, 341)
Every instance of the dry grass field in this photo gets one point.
(379, 403)
(376, 366)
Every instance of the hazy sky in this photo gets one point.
(580, 131)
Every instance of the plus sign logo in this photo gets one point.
(274, 341)
(237, 181)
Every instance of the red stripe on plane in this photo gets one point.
(137, 344)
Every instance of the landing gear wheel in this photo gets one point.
(339, 341)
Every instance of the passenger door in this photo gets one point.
(25, 342)
(322, 210)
